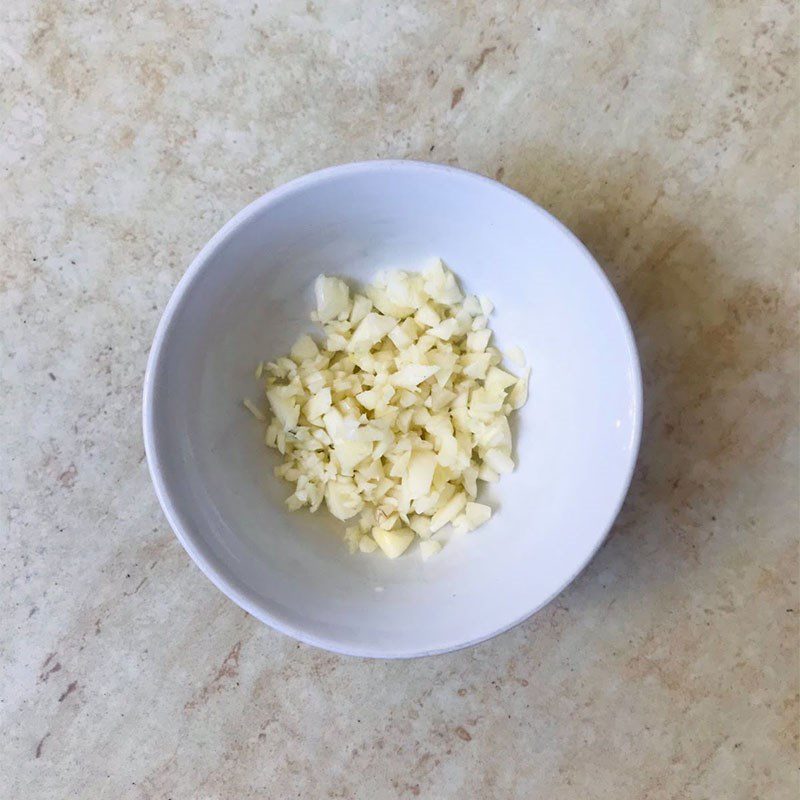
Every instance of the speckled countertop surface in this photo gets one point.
(664, 134)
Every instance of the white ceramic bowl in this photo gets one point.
(247, 296)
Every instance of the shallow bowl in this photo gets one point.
(247, 296)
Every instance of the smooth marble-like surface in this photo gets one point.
(664, 134)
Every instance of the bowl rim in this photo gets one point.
(229, 584)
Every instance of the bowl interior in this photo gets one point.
(248, 296)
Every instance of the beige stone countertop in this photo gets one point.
(665, 134)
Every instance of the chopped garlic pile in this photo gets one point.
(399, 414)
